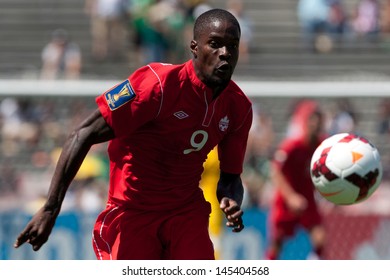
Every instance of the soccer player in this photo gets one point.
(294, 202)
(162, 122)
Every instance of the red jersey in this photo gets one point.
(166, 122)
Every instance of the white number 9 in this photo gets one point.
(197, 146)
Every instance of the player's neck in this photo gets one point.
(216, 94)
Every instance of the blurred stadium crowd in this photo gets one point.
(282, 40)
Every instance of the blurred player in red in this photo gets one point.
(162, 122)
(294, 202)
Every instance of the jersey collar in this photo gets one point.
(197, 82)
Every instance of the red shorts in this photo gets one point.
(283, 222)
(129, 234)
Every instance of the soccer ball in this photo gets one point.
(346, 169)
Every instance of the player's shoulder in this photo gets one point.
(286, 148)
(290, 143)
(157, 70)
(165, 70)
(155, 75)
(238, 94)
(239, 102)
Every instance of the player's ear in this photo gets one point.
(194, 48)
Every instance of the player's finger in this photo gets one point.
(231, 209)
(234, 222)
(238, 228)
(36, 247)
(22, 238)
(233, 215)
(224, 203)
(37, 240)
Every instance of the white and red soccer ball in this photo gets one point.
(346, 169)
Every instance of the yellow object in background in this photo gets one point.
(208, 184)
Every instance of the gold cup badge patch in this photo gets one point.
(119, 95)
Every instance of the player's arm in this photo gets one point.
(230, 193)
(92, 131)
(231, 153)
(295, 201)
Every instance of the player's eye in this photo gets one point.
(214, 44)
(234, 45)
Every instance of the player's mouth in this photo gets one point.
(223, 69)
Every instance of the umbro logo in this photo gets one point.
(181, 115)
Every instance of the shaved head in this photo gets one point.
(215, 48)
(203, 22)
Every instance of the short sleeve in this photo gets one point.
(131, 103)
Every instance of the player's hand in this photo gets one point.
(37, 230)
(233, 213)
(297, 203)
